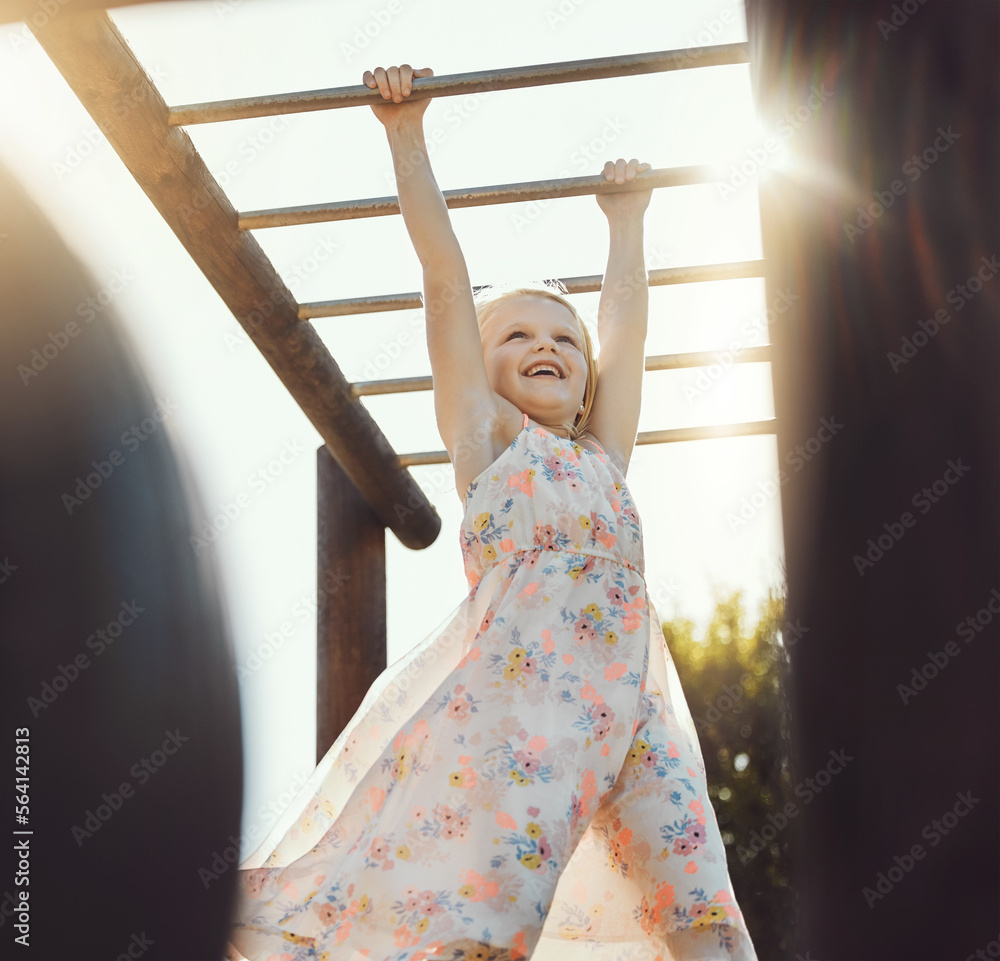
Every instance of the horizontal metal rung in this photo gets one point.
(708, 432)
(704, 358)
(477, 197)
(398, 385)
(708, 358)
(458, 84)
(586, 284)
(677, 435)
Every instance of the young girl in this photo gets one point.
(527, 783)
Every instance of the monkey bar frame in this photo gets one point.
(364, 486)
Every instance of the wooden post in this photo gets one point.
(350, 620)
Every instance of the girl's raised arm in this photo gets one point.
(622, 316)
(463, 398)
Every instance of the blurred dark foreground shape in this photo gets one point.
(116, 652)
(888, 234)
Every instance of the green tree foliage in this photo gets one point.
(734, 681)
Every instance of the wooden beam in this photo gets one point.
(37, 13)
(105, 74)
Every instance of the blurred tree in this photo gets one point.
(734, 681)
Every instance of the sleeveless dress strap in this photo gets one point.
(524, 423)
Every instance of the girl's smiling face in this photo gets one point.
(536, 333)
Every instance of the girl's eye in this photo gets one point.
(565, 337)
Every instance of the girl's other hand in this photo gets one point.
(395, 85)
(630, 203)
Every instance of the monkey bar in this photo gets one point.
(475, 197)
(700, 358)
(590, 283)
(364, 486)
(459, 84)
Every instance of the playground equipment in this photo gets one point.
(364, 486)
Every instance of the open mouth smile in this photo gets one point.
(544, 370)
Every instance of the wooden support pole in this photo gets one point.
(350, 620)
(104, 73)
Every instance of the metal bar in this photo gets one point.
(104, 73)
(359, 305)
(707, 432)
(401, 385)
(459, 84)
(705, 358)
(673, 436)
(477, 197)
(589, 283)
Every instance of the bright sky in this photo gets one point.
(234, 419)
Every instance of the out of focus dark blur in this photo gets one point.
(887, 230)
(123, 759)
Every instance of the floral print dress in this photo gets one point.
(527, 782)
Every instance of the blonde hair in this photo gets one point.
(487, 300)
